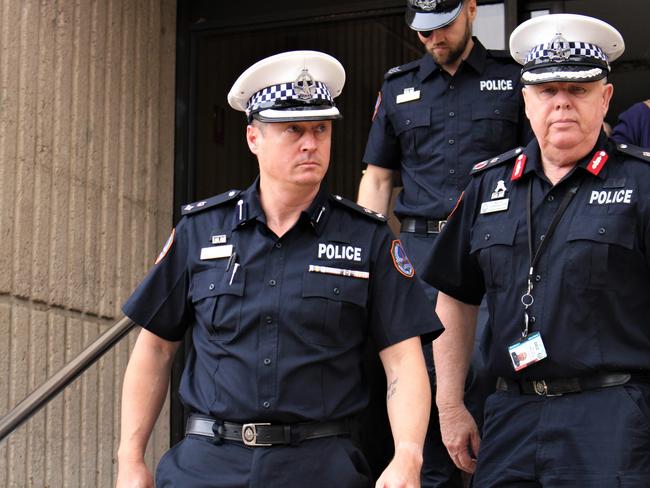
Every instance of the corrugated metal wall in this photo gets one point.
(86, 165)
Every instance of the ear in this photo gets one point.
(252, 137)
(525, 94)
(608, 92)
(472, 10)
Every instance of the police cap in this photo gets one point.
(428, 15)
(565, 47)
(291, 86)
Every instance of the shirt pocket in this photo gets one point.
(494, 126)
(334, 309)
(493, 243)
(413, 128)
(590, 250)
(218, 301)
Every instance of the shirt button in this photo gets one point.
(451, 141)
(211, 287)
(272, 282)
(269, 319)
(497, 111)
(550, 198)
(541, 238)
(487, 237)
(601, 231)
(538, 278)
(532, 320)
(336, 291)
(451, 87)
(266, 404)
(407, 121)
(451, 114)
(267, 361)
(278, 245)
(452, 171)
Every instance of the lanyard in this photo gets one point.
(527, 298)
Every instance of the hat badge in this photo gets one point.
(559, 50)
(426, 5)
(303, 87)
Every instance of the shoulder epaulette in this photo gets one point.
(362, 210)
(500, 159)
(397, 70)
(192, 208)
(636, 151)
(500, 54)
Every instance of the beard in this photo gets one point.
(454, 52)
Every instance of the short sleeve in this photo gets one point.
(382, 148)
(160, 302)
(399, 307)
(450, 267)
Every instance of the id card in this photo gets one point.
(527, 351)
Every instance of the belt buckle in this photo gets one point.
(441, 224)
(249, 435)
(541, 388)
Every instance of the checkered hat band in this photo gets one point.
(582, 49)
(268, 96)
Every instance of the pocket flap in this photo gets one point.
(608, 229)
(337, 288)
(216, 281)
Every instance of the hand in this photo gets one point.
(133, 474)
(404, 469)
(459, 433)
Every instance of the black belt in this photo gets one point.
(265, 434)
(560, 386)
(421, 226)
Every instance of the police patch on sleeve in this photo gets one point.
(401, 260)
(166, 247)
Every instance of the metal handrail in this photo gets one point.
(44, 393)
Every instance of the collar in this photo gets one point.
(534, 163)
(476, 60)
(249, 208)
(319, 211)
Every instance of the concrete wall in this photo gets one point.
(86, 165)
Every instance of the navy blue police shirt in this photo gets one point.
(591, 288)
(278, 324)
(433, 127)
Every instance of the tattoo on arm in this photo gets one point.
(392, 389)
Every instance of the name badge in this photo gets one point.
(527, 351)
(216, 252)
(409, 95)
(495, 206)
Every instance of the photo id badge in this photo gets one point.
(527, 351)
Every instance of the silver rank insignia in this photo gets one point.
(409, 95)
(500, 190)
(304, 85)
(220, 239)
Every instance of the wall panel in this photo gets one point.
(86, 165)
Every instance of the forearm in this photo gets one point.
(143, 393)
(376, 189)
(408, 396)
(452, 351)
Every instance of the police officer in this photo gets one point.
(280, 284)
(556, 235)
(434, 119)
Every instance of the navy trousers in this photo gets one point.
(593, 439)
(196, 462)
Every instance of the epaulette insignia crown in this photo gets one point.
(195, 207)
(401, 69)
(362, 210)
(635, 151)
(502, 158)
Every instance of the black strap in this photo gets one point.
(527, 298)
